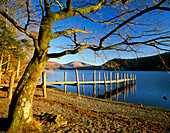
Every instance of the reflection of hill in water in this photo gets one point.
(125, 90)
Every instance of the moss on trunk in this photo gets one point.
(20, 111)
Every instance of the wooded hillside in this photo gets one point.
(152, 63)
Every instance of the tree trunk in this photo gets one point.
(8, 64)
(1, 61)
(18, 67)
(20, 110)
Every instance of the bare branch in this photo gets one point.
(107, 21)
(42, 8)
(163, 61)
(28, 12)
(74, 12)
(128, 20)
(75, 39)
(59, 4)
(17, 25)
(164, 8)
(69, 31)
(44, 53)
(75, 51)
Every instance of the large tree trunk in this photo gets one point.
(20, 111)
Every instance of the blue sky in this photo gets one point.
(88, 56)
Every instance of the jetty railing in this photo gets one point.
(125, 79)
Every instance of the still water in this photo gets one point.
(150, 88)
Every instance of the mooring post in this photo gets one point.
(130, 80)
(135, 78)
(77, 78)
(83, 81)
(121, 79)
(127, 79)
(124, 77)
(94, 85)
(107, 77)
(124, 85)
(105, 85)
(110, 82)
(117, 81)
(65, 78)
(127, 84)
(99, 84)
(11, 85)
(44, 84)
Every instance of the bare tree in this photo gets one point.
(130, 25)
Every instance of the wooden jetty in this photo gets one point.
(124, 79)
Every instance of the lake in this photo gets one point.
(149, 90)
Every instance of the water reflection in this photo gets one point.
(125, 90)
(151, 86)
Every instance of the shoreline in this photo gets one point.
(110, 101)
(88, 114)
(124, 113)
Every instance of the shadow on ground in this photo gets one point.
(4, 124)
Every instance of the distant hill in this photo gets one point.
(72, 65)
(76, 64)
(54, 65)
(152, 63)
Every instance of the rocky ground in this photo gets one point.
(85, 114)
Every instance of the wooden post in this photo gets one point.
(110, 82)
(78, 86)
(44, 84)
(117, 81)
(83, 81)
(127, 79)
(121, 78)
(135, 78)
(124, 77)
(124, 86)
(130, 79)
(124, 96)
(65, 77)
(117, 97)
(99, 85)
(107, 77)
(94, 85)
(105, 85)
(11, 85)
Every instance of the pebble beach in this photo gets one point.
(92, 115)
